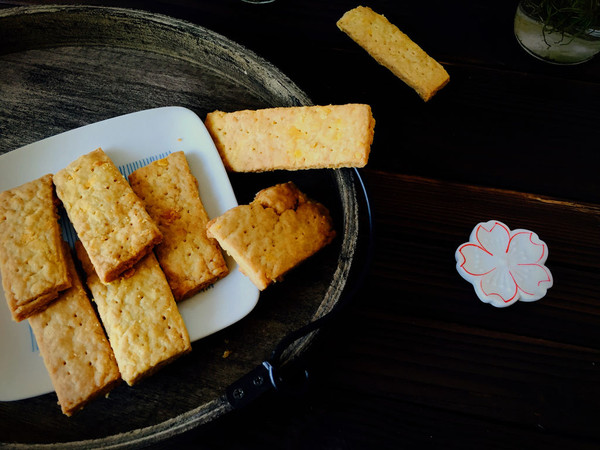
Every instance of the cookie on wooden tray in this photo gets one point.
(393, 49)
(278, 230)
(190, 259)
(293, 138)
(32, 264)
(110, 220)
(140, 316)
(76, 352)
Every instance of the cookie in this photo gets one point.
(393, 49)
(140, 316)
(293, 138)
(32, 264)
(110, 220)
(190, 259)
(76, 352)
(273, 234)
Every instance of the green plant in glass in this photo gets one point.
(566, 18)
(559, 31)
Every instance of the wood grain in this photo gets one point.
(417, 361)
(414, 360)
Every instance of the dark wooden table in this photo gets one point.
(415, 360)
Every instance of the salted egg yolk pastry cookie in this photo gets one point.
(190, 259)
(270, 236)
(110, 220)
(140, 316)
(32, 263)
(293, 138)
(393, 49)
(76, 352)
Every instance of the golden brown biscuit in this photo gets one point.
(294, 138)
(32, 264)
(393, 49)
(140, 317)
(274, 233)
(190, 259)
(76, 352)
(110, 220)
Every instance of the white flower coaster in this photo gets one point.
(503, 265)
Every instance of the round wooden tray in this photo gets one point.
(65, 67)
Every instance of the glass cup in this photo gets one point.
(548, 44)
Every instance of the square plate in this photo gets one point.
(130, 141)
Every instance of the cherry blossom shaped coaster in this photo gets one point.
(503, 265)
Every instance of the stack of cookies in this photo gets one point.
(147, 243)
(128, 243)
(34, 269)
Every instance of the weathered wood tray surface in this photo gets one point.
(65, 67)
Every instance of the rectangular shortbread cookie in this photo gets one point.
(75, 349)
(393, 49)
(278, 230)
(110, 220)
(189, 258)
(293, 138)
(140, 317)
(32, 264)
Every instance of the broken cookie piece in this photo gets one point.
(274, 233)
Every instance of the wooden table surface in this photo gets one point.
(415, 360)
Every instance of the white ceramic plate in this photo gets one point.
(130, 141)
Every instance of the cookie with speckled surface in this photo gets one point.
(142, 321)
(32, 264)
(393, 49)
(190, 259)
(76, 352)
(278, 230)
(110, 220)
(293, 138)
